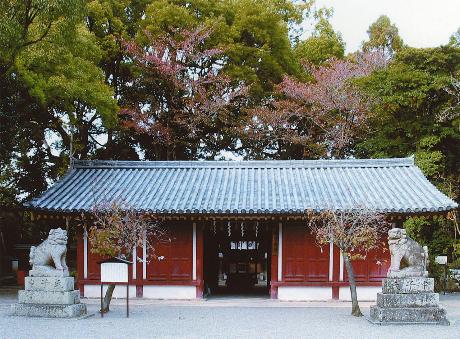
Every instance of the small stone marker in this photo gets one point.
(49, 291)
(407, 294)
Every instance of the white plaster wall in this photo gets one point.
(304, 293)
(169, 292)
(94, 291)
(365, 293)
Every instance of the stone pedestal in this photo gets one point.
(52, 297)
(408, 301)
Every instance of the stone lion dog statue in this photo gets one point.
(48, 258)
(408, 258)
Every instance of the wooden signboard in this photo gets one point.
(115, 271)
(441, 259)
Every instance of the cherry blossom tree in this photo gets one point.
(354, 232)
(323, 115)
(116, 229)
(185, 99)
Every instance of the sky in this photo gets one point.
(421, 23)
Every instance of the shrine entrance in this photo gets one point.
(237, 259)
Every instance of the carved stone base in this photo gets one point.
(52, 297)
(411, 315)
(407, 285)
(48, 311)
(408, 301)
(48, 297)
(56, 284)
(44, 271)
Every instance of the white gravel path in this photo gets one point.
(221, 319)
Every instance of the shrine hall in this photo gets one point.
(240, 227)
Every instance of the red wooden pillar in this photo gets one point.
(199, 259)
(274, 263)
(80, 261)
(139, 273)
(336, 272)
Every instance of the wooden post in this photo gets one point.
(199, 261)
(102, 313)
(336, 272)
(280, 251)
(139, 274)
(274, 264)
(80, 261)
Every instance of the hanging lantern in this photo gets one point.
(242, 229)
(257, 228)
(229, 229)
(214, 227)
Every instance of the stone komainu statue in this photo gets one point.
(48, 258)
(408, 258)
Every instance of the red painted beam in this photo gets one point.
(326, 283)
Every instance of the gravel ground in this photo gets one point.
(236, 318)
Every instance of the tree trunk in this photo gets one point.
(108, 145)
(107, 299)
(355, 310)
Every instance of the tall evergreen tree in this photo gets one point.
(51, 88)
(323, 44)
(383, 36)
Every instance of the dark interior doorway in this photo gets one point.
(237, 259)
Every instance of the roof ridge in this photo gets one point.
(323, 163)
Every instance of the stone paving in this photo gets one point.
(221, 318)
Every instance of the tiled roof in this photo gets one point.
(233, 187)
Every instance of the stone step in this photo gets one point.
(48, 311)
(60, 284)
(408, 285)
(408, 315)
(407, 300)
(48, 297)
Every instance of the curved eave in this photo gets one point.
(297, 212)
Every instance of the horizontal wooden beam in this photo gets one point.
(391, 217)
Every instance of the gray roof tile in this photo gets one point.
(386, 185)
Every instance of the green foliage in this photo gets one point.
(383, 36)
(8, 187)
(456, 254)
(253, 35)
(58, 74)
(27, 23)
(415, 226)
(455, 39)
(438, 234)
(323, 44)
(51, 86)
(411, 97)
(430, 162)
